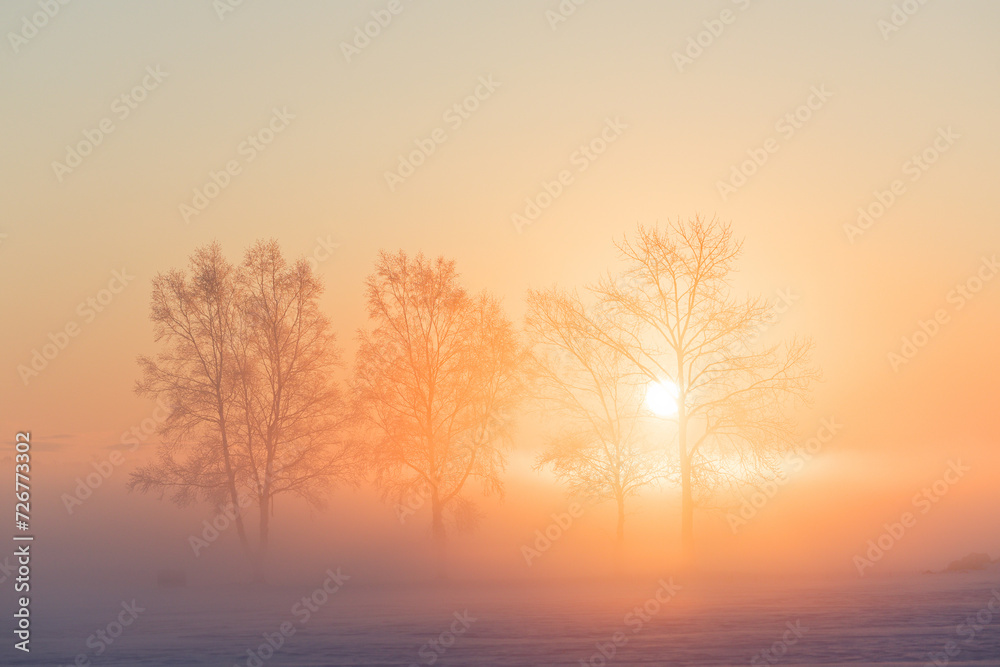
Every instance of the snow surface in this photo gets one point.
(893, 620)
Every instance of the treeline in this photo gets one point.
(650, 375)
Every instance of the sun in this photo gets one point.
(661, 398)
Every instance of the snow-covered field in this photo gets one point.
(898, 620)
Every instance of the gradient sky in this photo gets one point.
(323, 178)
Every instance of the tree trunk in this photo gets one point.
(234, 495)
(687, 515)
(687, 497)
(439, 534)
(620, 537)
(264, 533)
(265, 524)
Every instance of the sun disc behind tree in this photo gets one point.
(661, 398)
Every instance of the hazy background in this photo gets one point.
(323, 178)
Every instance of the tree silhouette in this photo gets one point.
(248, 365)
(600, 449)
(436, 379)
(678, 321)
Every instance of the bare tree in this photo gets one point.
(194, 317)
(248, 365)
(600, 449)
(293, 411)
(436, 379)
(680, 324)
